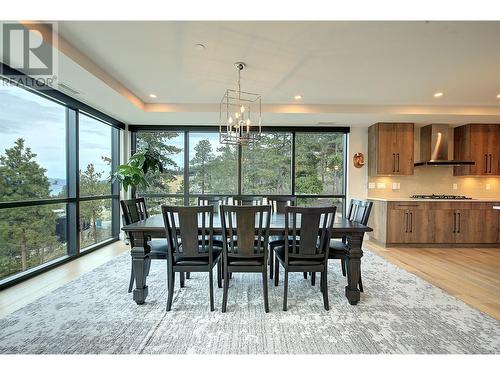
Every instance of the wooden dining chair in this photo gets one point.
(278, 205)
(190, 233)
(245, 200)
(308, 230)
(135, 210)
(210, 200)
(359, 212)
(246, 236)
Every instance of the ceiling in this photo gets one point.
(349, 73)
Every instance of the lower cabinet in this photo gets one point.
(440, 223)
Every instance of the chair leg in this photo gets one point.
(211, 281)
(276, 271)
(285, 293)
(271, 261)
(188, 275)
(313, 278)
(342, 264)
(324, 280)
(321, 281)
(224, 292)
(171, 281)
(305, 275)
(131, 282)
(361, 285)
(219, 273)
(230, 275)
(181, 279)
(264, 285)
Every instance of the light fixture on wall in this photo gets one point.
(240, 115)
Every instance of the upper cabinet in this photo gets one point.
(481, 143)
(390, 149)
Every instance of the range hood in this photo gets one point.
(434, 147)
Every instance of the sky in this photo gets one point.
(41, 123)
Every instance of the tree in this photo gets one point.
(199, 166)
(27, 234)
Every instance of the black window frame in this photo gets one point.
(345, 130)
(73, 109)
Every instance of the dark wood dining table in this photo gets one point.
(153, 227)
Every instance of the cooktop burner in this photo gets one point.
(439, 196)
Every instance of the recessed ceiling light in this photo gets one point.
(297, 97)
(199, 46)
(498, 96)
(152, 96)
(438, 94)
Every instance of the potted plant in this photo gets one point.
(135, 171)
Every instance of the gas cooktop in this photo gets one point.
(439, 196)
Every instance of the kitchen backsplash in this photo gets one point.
(437, 180)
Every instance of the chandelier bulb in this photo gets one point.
(237, 115)
(230, 120)
(242, 109)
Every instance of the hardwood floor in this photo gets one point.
(19, 295)
(470, 274)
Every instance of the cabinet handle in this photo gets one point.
(411, 222)
(393, 162)
(454, 222)
(398, 161)
(406, 222)
(485, 163)
(489, 171)
(459, 223)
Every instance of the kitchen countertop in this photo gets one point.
(496, 207)
(434, 200)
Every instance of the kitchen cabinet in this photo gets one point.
(390, 149)
(478, 142)
(427, 223)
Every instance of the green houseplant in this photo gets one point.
(134, 172)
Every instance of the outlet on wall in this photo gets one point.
(488, 186)
(455, 186)
(380, 185)
(396, 186)
(371, 185)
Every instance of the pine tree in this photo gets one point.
(27, 234)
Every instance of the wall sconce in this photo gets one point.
(358, 160)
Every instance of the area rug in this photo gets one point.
(398, 313)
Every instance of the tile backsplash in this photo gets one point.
(437, 180)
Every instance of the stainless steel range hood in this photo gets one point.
(434, 147)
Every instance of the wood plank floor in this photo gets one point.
(470, 274)
(19, 295)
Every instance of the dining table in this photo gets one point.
(142, 231)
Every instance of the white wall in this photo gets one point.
(357, 178)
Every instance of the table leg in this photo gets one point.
(140, 265)
(353, 263)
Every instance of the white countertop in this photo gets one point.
(435, 200)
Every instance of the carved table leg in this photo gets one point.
(140, 264)
(353, 263)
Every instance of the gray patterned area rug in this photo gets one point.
(398, 313)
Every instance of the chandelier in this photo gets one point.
(240, 115)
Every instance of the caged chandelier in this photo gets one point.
(240, 115)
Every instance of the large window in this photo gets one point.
(309, 165)
(42, 187)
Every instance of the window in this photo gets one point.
(39, 180)
(266, 166)
(212, 166)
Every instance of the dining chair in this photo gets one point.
(246, 235)
(135, 210)
(308, 230)
(359, 212)
(245, 200)
(278, 205)
(215, 201)
(190, 232)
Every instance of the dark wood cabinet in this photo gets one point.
(478, 142)
(452, 223)
(390, 149)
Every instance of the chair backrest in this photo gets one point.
(240, 200)
(359, 211)
(279, 203)
(309, 230)
(245, 229)
(189, 230)
(134, 210)
(214, 201)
